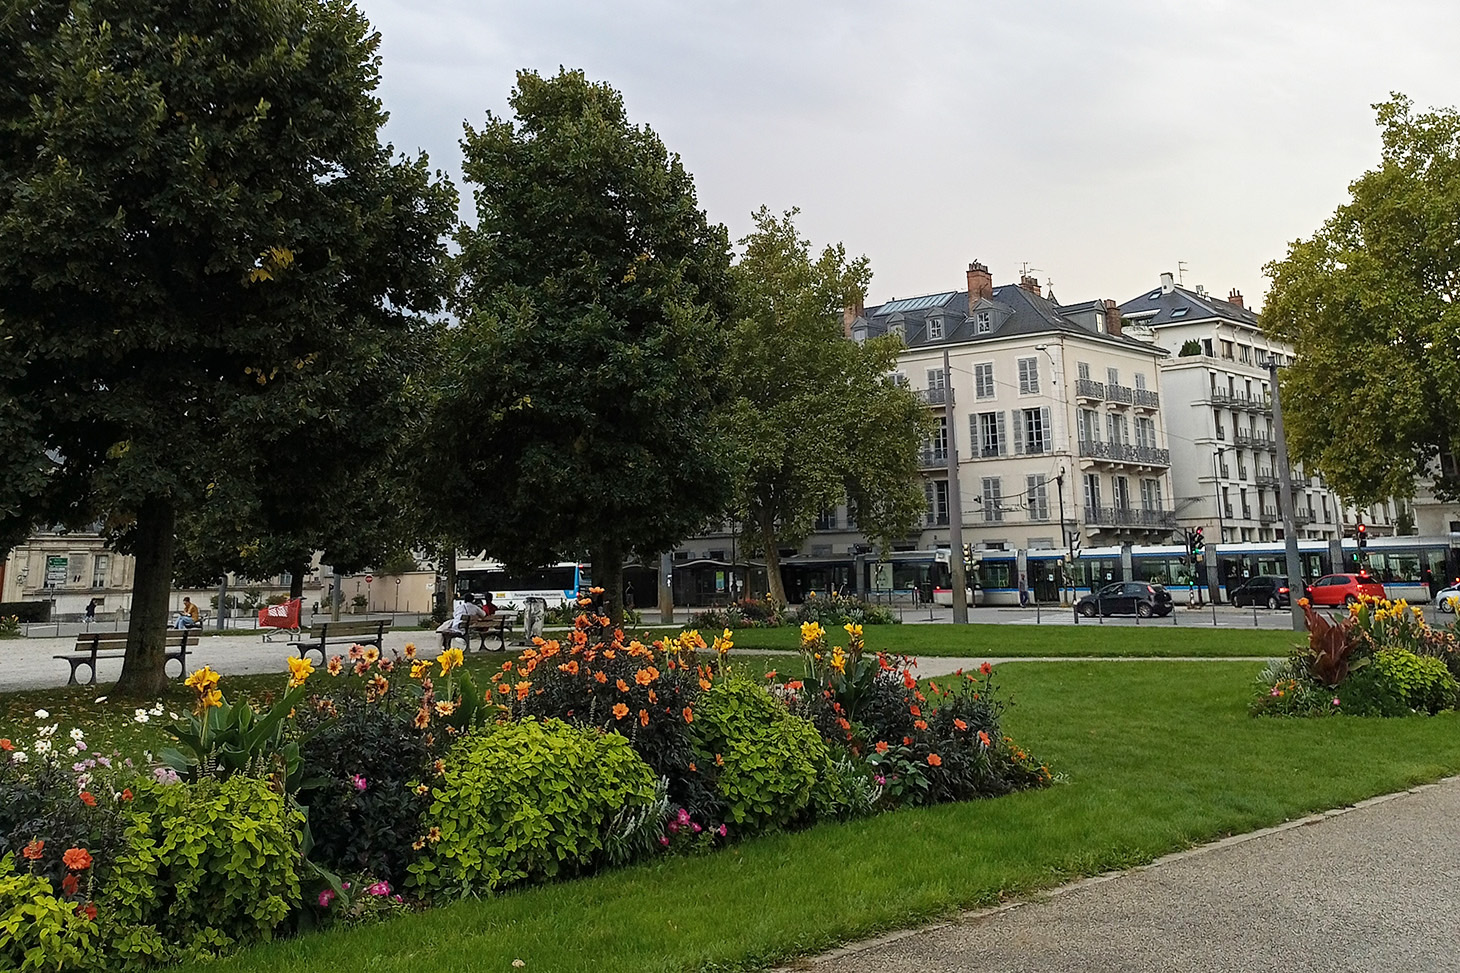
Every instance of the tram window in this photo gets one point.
(996, 574)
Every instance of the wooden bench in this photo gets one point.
(499, 625)
(113, 645)
(326, 634)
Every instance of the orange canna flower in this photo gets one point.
(915, 711)
(34, 850)
(960, 724)
(643, 717)
(600, 678)
(882, 746)
(985, 668)
(77, 859)
(623, 687)
(688, 714)
(921, 724)
(983, 738)
(88, 798)
(934, 760)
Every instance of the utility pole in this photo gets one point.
(955, 505)
(1064, 536)
(1214, 574)
(1285, 490)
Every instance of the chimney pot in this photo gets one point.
(1168, 283)
(1030, 284)
(980, 284)
(1235, 298)
(1112, 318)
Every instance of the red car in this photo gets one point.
(1344, 589)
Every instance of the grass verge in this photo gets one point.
(1159, 756)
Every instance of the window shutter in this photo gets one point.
(1046, 430)
(975, 441)
(1003, 435)
(1017, 420)
(1110, 428)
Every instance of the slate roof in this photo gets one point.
(1014, 311)
(1197, 307)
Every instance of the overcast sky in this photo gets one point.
(1098, 142)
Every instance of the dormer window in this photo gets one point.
(983, 323)
(935, 329)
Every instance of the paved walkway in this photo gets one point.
(1374, 887)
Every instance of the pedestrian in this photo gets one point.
(91, 611)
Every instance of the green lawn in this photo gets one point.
(1158, 756)
(1149, 639)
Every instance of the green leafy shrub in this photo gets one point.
(845, 788)
(38, 930)
(9, 626)
(529, 799)
(1423, 683)
(832, 609)
(206, 865)
(766, 759)
(1284, 688)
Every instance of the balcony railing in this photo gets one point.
(1129, 517)
(1227, 511)
(1266, 477)
(1246, 512)
(1146, 399)
(1303, 518)
(933, 396)
(1120, 394)
(1125, 453)
(1088, 389)
(1267, 515)
(1253, 440)
(935, 520)
(930, 459)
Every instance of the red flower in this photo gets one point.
(689, 716)
(88, 798)
(34, 850)
(907, 741)
(70, 884)
(960, 724)
(77, 859)
(985, 668)
(920, 724)
(983, 738)
(934, 760)
(5, 744)
(915, 711)
(88, 910)
(881, 746)
(126, 793)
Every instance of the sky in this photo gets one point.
(1097, 143)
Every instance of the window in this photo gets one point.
(1084, 368)
(1217, 418)
(1206, 347)
(1029, 376)
(1117, 429)
(1150, 494)
(899, 379)
(1244, 353)
(1092, 492)
(1112, 376)
(1032, 431)
(937, 379)
(983, 380)
(936, 492)
(987, 433)
(983, 324)
(1227, 350)
(1037, 494)
(826, 520)
(1140, 381)
(1120, 492)
(99, 565)
(935, 329)
(993, 504)
(937, 445)
(898, 329)
(1146, 433)
(1089, 426)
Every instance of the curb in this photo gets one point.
(972, 915)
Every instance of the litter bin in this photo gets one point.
(534, 611)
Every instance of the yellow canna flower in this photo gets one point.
(299, 670)
(811, 632)
(203, 680)
(450, 659)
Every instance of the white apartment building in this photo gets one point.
(1056, 416)
(1219, 411)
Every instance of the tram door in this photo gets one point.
(1048, 578)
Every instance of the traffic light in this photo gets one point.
(1361, 534)
(967, 554)
(1197, 542)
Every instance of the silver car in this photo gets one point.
(1447, 600)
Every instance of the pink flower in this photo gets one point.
(1275, 692)
(664, 840)
(326, 897)
(358, 781)
(881, 781)
(683, 817)
(673, 827)
(379, 888)
(724, 831)
(698, 829)
(1335, 701)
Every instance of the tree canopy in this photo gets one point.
(1372, 304)
(572, 414)
(816, 419)
(207, 260)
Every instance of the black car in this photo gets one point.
(1127, 598)
(1267, 589)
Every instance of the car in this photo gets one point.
(1265, 589)
(1447, 600)
(1126, 598)
(1333, 590)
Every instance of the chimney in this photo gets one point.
(1235, 298)
(1168, 283)
(1030, 284)
(980, 284)
(1112, 318)
(853, 310)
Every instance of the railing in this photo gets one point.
(1146, 399)
(1302, 518)
(939, 520)
(1253, 440)
(933, 396)
(1246, 512)
(929, 459)
(1266, 477)
(986, 452)
(1119, 393)
(1267, 515)
(1089, 389)
(1127, 517)
(1125, 453)
(1226, 471)
(1227, 509)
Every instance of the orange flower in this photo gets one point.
(960, 724)
(643, 717)
(688, 714)
(908, 680)
(719, 760)
(570, 667)
(410, 650)
(126, 793)
(620, 711)
(771, 674)
(88, 798)
(77, 859)
(600, 678)
(983, 738)
(503, 688)
(6, 745)
(704, 684)
(423, 718)
(88, 910)
(653, 697)
(70, 884)
(336, 664)
(842, 722)
(692, 768)
(934, 760)
(439, 767)
(523, 688)
(34, 850)
(985, 668)
(794, 685)
(623, 687)
(907, 741)
(882, 746)
(643, 678)
(920, 724)
(915, 711)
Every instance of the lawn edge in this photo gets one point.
(976, 915)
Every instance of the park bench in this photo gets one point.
(498, 625)
(324, 635)
(113, 645)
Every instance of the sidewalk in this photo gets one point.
(1374, 887)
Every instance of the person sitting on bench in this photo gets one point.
(189, 617)
(455, 627)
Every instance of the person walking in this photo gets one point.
(91, 611)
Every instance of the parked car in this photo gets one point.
(1126, 598)
(1447, 600)
(1344, 589)
(1266, 589)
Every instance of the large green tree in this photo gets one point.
(1372, 304)
(573, 412)
(816, 419)
(205, 253)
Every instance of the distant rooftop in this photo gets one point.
(916, 303)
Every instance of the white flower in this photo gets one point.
(140, 716)
(76, 734)
(19, 757)
(47, 731)
(41, 714)
(72, 751)
(157, 710)
(100, 699)
(43, 746)
(173, 715)
(147, 755)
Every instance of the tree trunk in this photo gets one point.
(143, 673)
(775, 588)
(448, 568)
(296, 578)
(608, 574)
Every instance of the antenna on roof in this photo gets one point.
(1181, 272)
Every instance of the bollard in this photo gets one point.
(1254, 614)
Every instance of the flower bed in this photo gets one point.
(381, 785)
(1380, 659)
(830, 609)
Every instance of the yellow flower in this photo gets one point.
(203, 680)
(838, 659)
(450, 659)
(299, 670)
(410, 650)
(371, 654)
(210, 699)
(854, 631)
(420, 668)
(811, 632)
(723, 643)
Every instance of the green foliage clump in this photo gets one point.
(38, 930)
(1189, 347)
(1423, 683)
(525, 800)
(834, 609)
(206, 866)
(767, 758)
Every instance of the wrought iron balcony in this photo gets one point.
(1119, 394)
(1146, 399)
(1088, 389)
(933, 396)
(1267, 515)
(932, 459)
(1130, 517)
(1266, 477)
(1125, 453)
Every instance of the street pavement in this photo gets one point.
(1373, 887)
